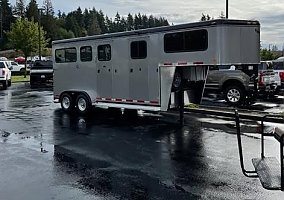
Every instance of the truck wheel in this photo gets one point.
(5, 84)
(83, 104)
(67, 102)
(9, 83)
(234, 95)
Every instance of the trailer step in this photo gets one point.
(268, 170)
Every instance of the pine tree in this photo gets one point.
(32, 11)
(130, 22)
(48, 8)
(151, 21)
(101, 21)
(94, 28)
(6, 14)
(19, 9)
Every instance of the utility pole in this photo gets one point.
(227, 9)
(39, 34)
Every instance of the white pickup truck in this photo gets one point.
(17, 68)
(5, 74)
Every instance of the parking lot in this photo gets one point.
(48, 154)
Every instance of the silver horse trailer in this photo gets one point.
(153, 69)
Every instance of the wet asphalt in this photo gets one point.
(47, 154)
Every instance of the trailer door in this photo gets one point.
(138, 69)
(104, 72)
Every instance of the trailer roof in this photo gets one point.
(161, 29)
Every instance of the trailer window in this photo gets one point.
(138, 49)
(65, 55)
(86, 54)
(104, 52)
(186, 41)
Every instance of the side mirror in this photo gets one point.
(10, 68)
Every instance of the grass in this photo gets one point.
(20, 78)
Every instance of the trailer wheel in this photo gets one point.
(67, 102)
(83, 104)
(234, 95)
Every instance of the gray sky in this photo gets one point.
(270, 13)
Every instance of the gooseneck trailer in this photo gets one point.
(153, 69)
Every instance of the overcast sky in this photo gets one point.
(270, 13)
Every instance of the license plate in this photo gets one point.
(42, 76)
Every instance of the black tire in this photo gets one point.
(277, 91)
(176, 85)
(234, 95)
(67, 102)
(9, 83)
(22, 71)
(5, 84)
(83, 104)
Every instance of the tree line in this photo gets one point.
(77, 23)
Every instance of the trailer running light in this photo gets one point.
(168, 63)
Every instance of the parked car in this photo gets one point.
(268, 80)
(17, 68)
(238, 86)
(41, 73)
(278, 66)
(5, 74)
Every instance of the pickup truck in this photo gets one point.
(242, 85)
(269, 81)
(238, 86)
(5, 74)
(41, 73)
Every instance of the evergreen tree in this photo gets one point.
(6, 15)
(77, 23)
(151, 21)
(48, 8)
(6, 18)
(123, 24)
(19, 9)
(94, 28)
(101, 21)
(110, 25)
(48, 21)
(130, 22)
(78, 15)
(32, 11)
(145, 21)
(72, 25)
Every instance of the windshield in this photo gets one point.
(42, 64)
(278, 65)
(2, 65)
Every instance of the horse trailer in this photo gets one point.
(154, 69)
